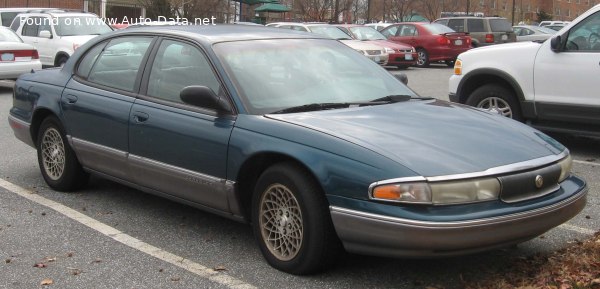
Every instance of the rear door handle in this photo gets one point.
(139, 116)
(71, 99)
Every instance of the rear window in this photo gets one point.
(435, 28)
(500, 25)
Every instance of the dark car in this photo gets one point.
(433, 42)
(483, 30)
(314, 144)
(400, 54)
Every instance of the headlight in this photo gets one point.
(439, 193)
(458, 67)
(389, 50)
(565, 168)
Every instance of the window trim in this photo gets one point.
(145, 79)
(105, 42)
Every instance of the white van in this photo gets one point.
(8, 14)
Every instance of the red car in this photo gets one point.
(401, 55)
(433, 42)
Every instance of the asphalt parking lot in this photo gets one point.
(111, 236)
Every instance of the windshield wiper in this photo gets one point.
(314, 106)
(333, 105)
(393, 98)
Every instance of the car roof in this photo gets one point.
(58, 13)
(224, 32)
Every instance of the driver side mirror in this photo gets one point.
(204, 97)
(556, 43)
(45, 34)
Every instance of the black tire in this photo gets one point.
(301, 221)
(496, 98)
(61, 60)
(422, 58)
(59, 165)
(450, 63)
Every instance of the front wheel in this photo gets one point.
(60, 62)
(496, 99)
(422, 58)
(291, 221)
(59, 165)
(450, 63)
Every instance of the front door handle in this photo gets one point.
(139, 116)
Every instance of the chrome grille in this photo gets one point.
(373, 52)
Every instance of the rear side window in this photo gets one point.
(118, 64)
(457, 25)
(30, 28)
(85, 66)
(7, 17)
(16, 23)
(475, 25)
(500, 25)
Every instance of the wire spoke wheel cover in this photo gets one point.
(280, 221)
(53, 153)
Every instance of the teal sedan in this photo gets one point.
(313, 144)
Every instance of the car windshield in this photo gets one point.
(435, 28)
(500, 25)
(366, 33)
(272, 75)
(330, 31)
(81, 25)
(9, 36)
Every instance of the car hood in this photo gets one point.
(432, 138)
(361, 45)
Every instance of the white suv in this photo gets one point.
(550, 85)
(56, 34)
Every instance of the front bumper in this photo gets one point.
(373, 234)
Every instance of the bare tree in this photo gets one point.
(358, 8)
(431, 9)
(315, 10)
(398, 9)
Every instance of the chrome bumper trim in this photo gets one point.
(374, 234)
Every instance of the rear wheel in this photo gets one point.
(496, 99)
(422, 58)
(402, 67)
(291, 221)
(59, 165)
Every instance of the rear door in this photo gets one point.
(97, 101)
(177, 148)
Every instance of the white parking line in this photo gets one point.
(577, 229)
(586, 163)
(195, 268)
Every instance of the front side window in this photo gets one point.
(177, 65)
(271, 75)
(119, 62)
(585, 36)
